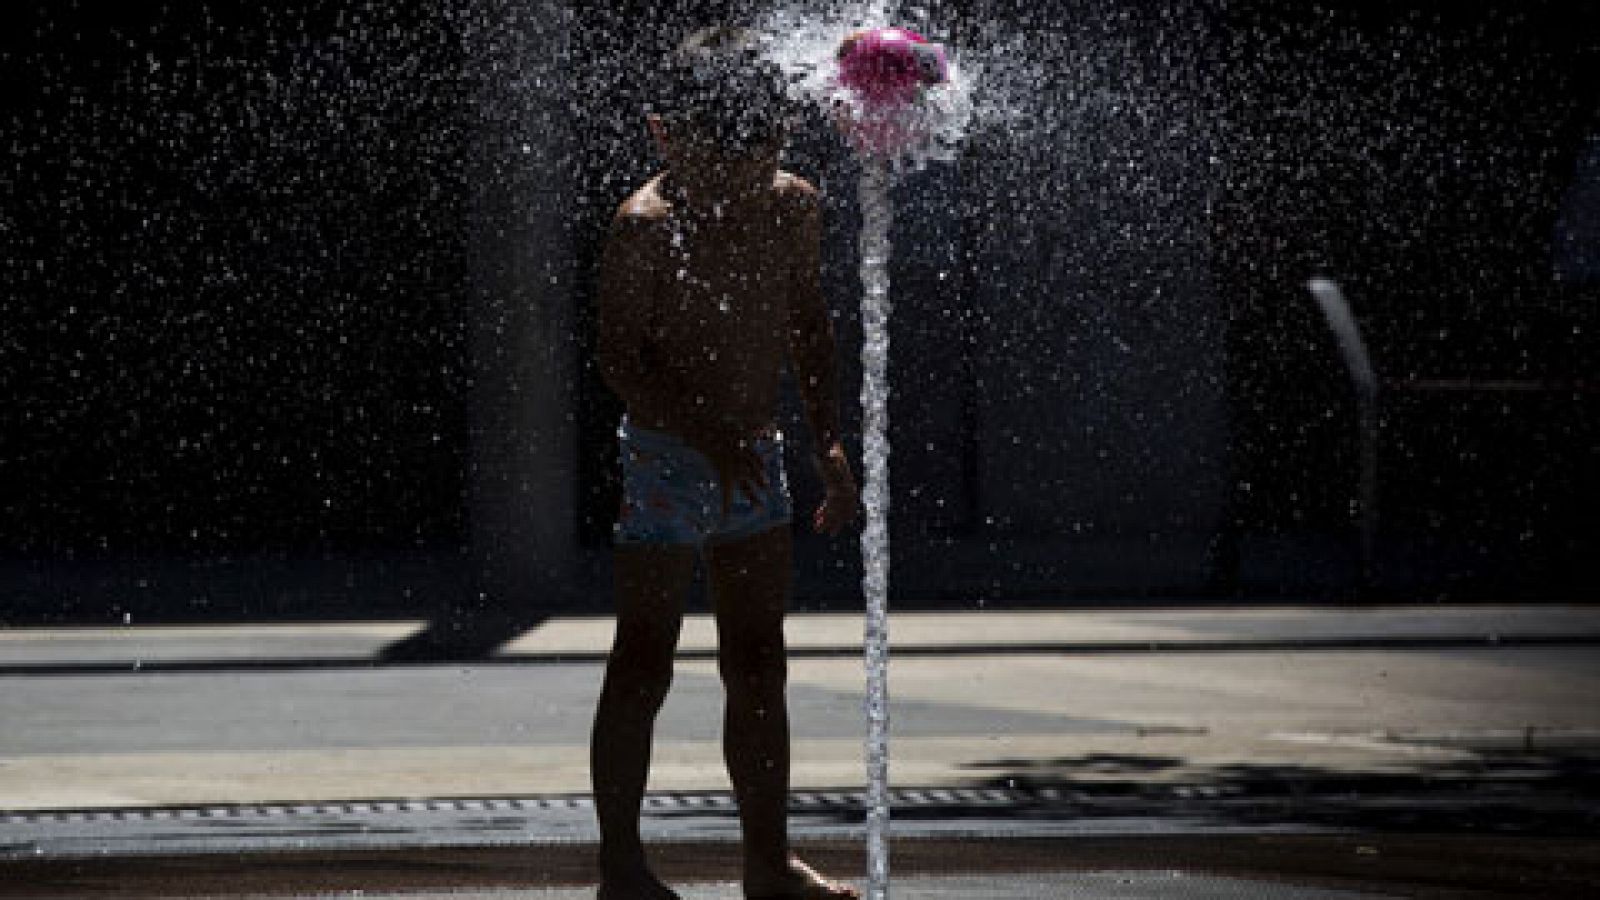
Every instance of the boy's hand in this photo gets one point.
(841, 503)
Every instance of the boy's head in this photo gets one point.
(718, 94)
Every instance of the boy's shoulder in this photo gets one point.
(792, 190)
(644, 206)
(797, 201)
(789, 184)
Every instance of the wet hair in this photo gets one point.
(717, 86)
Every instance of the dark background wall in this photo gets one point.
(231, 254)
(1420, 153)
(1101, 426)
(270, 281)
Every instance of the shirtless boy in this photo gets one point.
(709, 283)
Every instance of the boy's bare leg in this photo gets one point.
(749, 581)
(650, 587)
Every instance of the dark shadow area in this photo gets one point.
(1556, 796)
(231, 254)
(459, 639)
(1548, 795)
(1415, 153)
(175, 590)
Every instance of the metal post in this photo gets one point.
(1358, 363)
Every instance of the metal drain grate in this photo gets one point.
(359, 808)
(907, 798)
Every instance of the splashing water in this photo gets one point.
(931, 128)
(901, 102)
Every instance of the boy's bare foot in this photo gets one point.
(633, 883)
(800, 882)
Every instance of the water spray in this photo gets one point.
(884, 80)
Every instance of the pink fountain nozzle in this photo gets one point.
(889, 66)
(886, 70)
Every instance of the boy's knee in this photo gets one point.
(753, 666)
(643, 655)
(641, 685)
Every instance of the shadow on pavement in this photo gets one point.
(1542, 796)
(1545, 796)
(459, 638)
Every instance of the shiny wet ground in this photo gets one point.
(1272, 865)
(1127, 885)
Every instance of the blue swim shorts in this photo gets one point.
(670, 492)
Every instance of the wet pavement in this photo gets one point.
(1014, 868)
(1132, 885)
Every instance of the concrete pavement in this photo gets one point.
(276, 714)
(1008, 726)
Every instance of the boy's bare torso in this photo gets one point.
(719, 299)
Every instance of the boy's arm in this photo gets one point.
(811, 345)
(626, 292)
